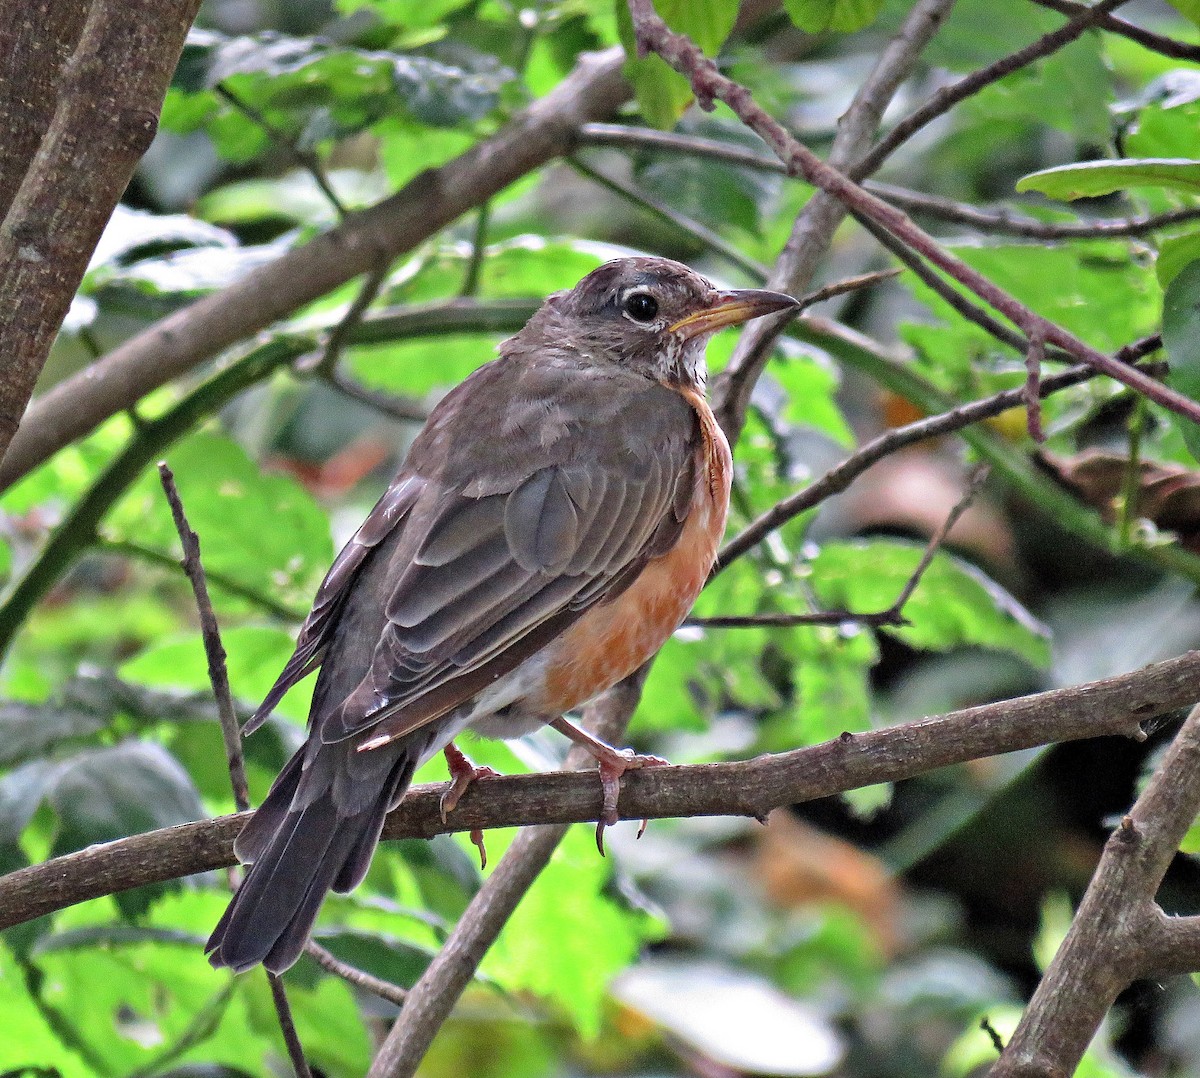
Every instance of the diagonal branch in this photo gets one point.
(544, 131)
(710, 85)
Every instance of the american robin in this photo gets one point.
(551, 526)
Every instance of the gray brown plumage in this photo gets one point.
(551, 526)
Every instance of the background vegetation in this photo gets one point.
(281, 294)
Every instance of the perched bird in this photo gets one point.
(551, 526)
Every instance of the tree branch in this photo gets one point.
(36, 42)
(1160, 43)
(1118, 933)
(545, 130)
(110, 94)
(1116, 705)
(814, 228)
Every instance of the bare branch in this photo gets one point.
(1160, 43)
(943, 100)
(1035, 356)
(307, 161)
(1000, 220)
(1118, 933)
(814, 228)
(287, 1026)
(1116, 705)
(330, 962)
(214, 650)
(842, 474)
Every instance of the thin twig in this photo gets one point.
(267, 603)
(470, 284)
(210, 633)
(393, 405)
(842, 474)
(701, 233)
(327, 363)
(287, 1025)
(773, 620)
(945, 98)
(1160, 43)
(1001, 220)
(938, 284)
(218, 675)
(330, 962)
(974, 484)
(710, 85)
(307, 161)
(1035, 356)
(813, 230)
(847, 284)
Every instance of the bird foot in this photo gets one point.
(613, 764)
(463, 772)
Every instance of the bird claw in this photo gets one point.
(463, 772)
(612, 765)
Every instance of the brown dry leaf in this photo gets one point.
(799, 865)
(1168, 494)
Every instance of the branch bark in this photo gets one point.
(814, 228)
(1119, 934)
(37, 38)
(1116, 705)
(110, 95)
(544, 131)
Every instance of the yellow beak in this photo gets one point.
(731, 309)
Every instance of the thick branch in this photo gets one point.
(542, 132)
(751, 788)
(1118, 934)
(37, 38)
(110, 95)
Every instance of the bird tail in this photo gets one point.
(303, 842)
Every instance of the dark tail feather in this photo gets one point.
(298, 855)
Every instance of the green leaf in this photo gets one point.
(1190, 9)
(1175, 253)
(1181, 340)
(662, 94)
(410, 14)
(29, 1045)
(954, 605)
(263, 531)
(1094, 178)
(126, 789)
(567, 938)
(840, 16)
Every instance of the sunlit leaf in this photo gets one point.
(1181, 339)
(840, 16)
(1094, 178)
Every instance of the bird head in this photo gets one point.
(651, 315)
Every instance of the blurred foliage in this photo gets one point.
(864, 935)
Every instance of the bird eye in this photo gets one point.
(641, 306)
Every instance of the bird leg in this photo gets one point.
(463, 772)
(613, 763)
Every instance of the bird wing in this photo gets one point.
(510, 520)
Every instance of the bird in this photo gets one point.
(549, 528)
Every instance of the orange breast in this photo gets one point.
(613, 640)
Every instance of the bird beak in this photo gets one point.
(731, 309)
